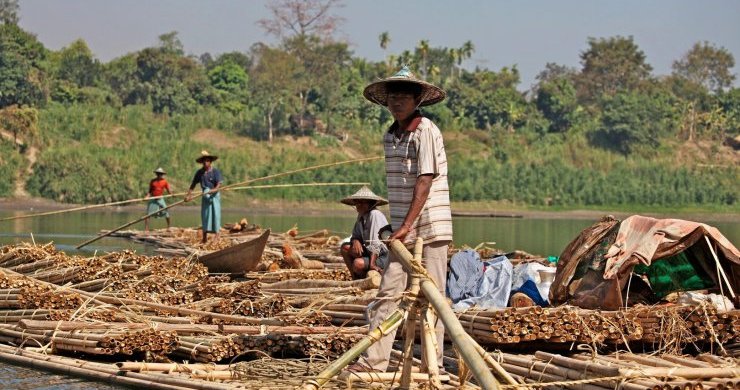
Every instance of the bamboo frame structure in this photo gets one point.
(452, 326)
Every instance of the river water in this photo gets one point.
(541, 236)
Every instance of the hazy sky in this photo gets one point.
(524, 33)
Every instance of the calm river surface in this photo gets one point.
(545, 237)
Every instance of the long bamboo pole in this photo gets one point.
(226, 188)
(135, 200)
(89, 207)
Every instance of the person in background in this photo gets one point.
(365, 251)
(157, 187)
(210, 180)
(418, 194)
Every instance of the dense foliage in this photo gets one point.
(610, 133)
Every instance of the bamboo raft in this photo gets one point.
(61, 312)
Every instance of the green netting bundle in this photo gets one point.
(675, 273)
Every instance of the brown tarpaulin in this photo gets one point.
(638, 240)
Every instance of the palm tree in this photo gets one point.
(467, 50)
(423, 49)
(455, 59)
(385, 39)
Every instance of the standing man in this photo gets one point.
(210, 180)
(365, 251)
(416, 174)
(157, 187)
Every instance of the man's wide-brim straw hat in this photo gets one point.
(205, 155)
(160, 171)
(364, 193)
(377, 92)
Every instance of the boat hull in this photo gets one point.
(236, 259)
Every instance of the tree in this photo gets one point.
(273, 79)
(301, 18)
(466, 50)
(22, 68)
(230, 80)
(611, 65)
(78, 65)
(121, 75)
(9, 12)
(20, 121)
(706, 65)
(171, 83)
(234, 57)
(553, 72)
(170, 43)
(556, 99)
(485, 98)
(384, 39)
(633, 120)
(422, 49)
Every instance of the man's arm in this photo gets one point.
(195, 181)
(421, 193)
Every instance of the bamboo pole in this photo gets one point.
(225, 188)
(170, 367)
(408, 349)
(186, 328)
(135, 200)
(298, 185)
(386, 377)
(682, 372)
(391, 322)
(430, 346)
(83, 372)
(155, 378)
(88, 207)
(453, 327)
(720, 270)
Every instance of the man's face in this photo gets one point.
(362, 206)
(401, 105)
(207, 163)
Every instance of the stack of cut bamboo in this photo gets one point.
(558, 325)
(93, 341)
(684, 324)
(624, 370)
(676, 325)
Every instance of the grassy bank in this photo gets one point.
(97, 154)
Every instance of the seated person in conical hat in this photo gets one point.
(364, 251)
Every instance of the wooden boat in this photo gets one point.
(236, 259)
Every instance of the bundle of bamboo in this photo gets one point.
(674, 326)
(620, 370)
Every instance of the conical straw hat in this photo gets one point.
(377, 92)
(160, 170)
(204, 155)
(364, 193)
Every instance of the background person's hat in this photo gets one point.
(364, 193)
(204, 155)
(377, 92)
(160, 171)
